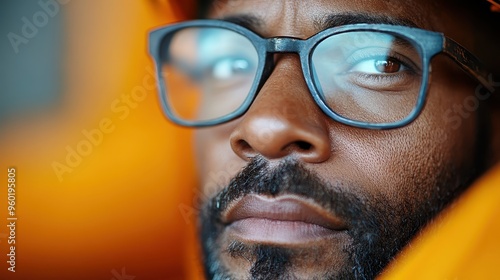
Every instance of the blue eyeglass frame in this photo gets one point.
(429, 43)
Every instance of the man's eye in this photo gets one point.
(228, 68)
(378, 66)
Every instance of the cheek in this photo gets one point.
(216, 161)
(394, 165)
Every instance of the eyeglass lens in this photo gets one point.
(208, 73)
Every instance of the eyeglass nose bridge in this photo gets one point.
(281, 44)
(284, 45)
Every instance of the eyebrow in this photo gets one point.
(248, 21)
(254, 23)
(333, 20)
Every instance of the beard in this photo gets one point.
(378, 228)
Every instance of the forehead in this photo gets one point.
(302, 18)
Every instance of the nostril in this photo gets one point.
(305, 146)
(244, 147)
(248, 151)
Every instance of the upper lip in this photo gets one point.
(282, 208)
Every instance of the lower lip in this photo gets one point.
(278, 231)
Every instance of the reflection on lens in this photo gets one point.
(208, 72)
(368, 76)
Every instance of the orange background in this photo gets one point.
(116, 211)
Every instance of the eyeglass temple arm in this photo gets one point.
(468, 62)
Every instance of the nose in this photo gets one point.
(283, 119)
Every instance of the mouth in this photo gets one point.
(286, 219)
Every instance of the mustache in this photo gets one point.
(291, 177)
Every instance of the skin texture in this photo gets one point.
(390, 176)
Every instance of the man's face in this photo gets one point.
(292, 193)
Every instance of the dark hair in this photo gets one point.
(204, 7)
